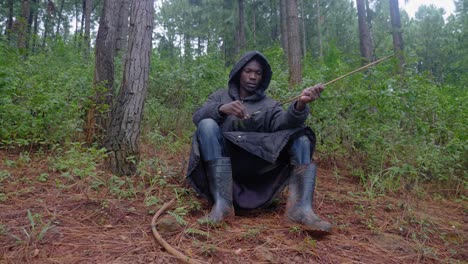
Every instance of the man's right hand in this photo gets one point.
(235, 108)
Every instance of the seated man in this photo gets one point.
(242, 160)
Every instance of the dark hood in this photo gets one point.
(235, 73)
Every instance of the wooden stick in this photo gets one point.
(163, 242)
(332, 81)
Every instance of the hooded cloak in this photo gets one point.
(258, 146)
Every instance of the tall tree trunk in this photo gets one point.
(240, 45)
(35, 26)
(122, 27)
(294, 44)
(9, 23)
(82, 22)
(32, 11)
(284, 27)
(319, 30)
(397, 36)
(365, 40)
(124, 130)
(98, 114)
(228, 46)
(59, 18)
(87, 19)
(254, 26)
(303, 29)
(23, 32)
(274, 20)
(47, 23)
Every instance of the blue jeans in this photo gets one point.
(212, 145)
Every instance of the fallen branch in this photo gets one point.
(163, 243)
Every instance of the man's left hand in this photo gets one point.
(308, 95)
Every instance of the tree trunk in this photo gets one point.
(87, 19)
(9, 23)
(303, 29)
(124, 130)
(228, 45)
(240, 31)
(274, 20)
(47, 23)
(59, 17)
(294, 44)
(23, 32)
(35, 26)
(284, 27)
(319, 30)
(98, 114)
(82, 23)
(254, 26)
(121, 41)
(365, 40)
(397, 36)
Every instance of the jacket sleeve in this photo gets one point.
(291, 118)
(210, 109)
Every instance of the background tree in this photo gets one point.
(396, 33)
(88, 7)
(240, 37)
(98, 114)
(23, 26)
(122, 26)
(284, 27)
(9, 23)
(59, 18)
(365, 39)
(48, 23)
(294, 44)
(124, 130)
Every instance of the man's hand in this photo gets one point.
(308, 95)
(235, 108)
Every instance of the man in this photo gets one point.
(240, 160)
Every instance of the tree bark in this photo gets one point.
(228, 45)
(23, 32)
(48, 27)
(319, 30)
(274, 20)
(241, 28)
(303, 29)
(9, 23)
(284, 27)
(365, 40)
(122, 27)
(59, 18)
(124, 130)
(396, 33)
(294, 44)
(87, 20)
(35, 21)
(98, 114)
(254, 26)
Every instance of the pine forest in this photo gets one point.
(96, 105)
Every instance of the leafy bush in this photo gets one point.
(42, 99)
(393, 131)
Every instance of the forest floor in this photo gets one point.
(46, 217)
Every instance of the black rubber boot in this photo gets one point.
(219, 174)
(299, 205)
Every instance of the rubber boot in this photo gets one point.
(219, 174)
(299, 205)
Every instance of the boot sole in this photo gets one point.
(310, 230)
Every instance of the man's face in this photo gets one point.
(251, 76)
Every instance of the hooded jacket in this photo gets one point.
(259, 158)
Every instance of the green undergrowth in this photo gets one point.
(388, 131)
